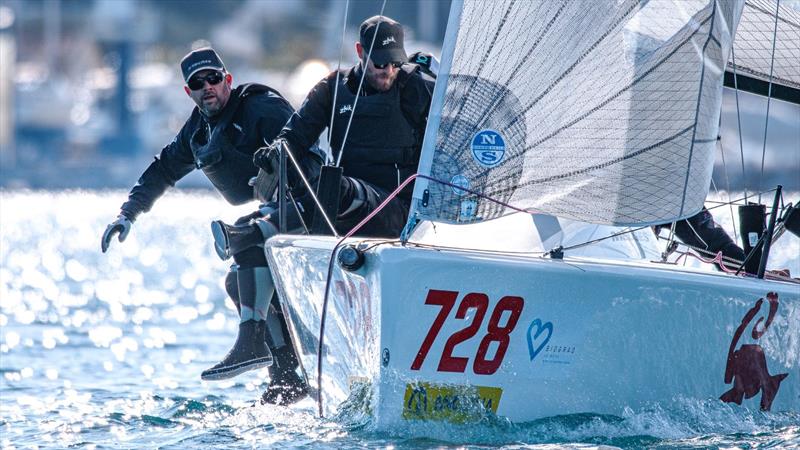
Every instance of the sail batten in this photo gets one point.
(606, 114)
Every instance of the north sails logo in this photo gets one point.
(345, 109)
(388, 40)
(205, 61)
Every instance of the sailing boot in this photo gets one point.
(231, 239)
(250, 350)
(285, 386)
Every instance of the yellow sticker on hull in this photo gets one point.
(458, 404)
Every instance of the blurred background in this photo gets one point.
(90, 90)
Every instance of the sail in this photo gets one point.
(604, 112)
(763, 20)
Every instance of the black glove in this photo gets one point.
(267, 158)
(121, 226)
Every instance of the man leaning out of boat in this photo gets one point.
(379, 108)
(220, 137)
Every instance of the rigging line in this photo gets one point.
(329, 155)
(739, 121)
(769, 97)
(360, 85)
(728, 187)
(610, 236)
(312, 192)
(697, 108)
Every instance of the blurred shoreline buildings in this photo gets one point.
(90, 89)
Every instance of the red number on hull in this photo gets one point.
(450, 363)
(495, 332)
(445, 299)
(482, 366)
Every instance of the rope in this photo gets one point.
(329, 153)
(769, 97)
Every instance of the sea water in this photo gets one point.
(105, 350)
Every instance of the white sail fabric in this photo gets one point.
(753, 45)
(604, 112)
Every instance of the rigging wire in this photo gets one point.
(329, 153)
(739, 121)
(727, 186)
(769, 97)
(360, 85)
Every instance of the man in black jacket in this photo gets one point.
(379, 109)
(376, 113)
(220, 137)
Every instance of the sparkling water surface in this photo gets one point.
(105, 350)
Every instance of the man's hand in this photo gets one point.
(121, 226)
(267, 158)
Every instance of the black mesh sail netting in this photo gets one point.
(605, 112)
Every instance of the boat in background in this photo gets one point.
(528, 282)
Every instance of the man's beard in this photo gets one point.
(211, 109)
(380, 82)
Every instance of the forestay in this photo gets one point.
(605, 113)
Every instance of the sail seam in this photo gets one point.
(600, 166)
(609, 99)
(483, 60)
(777, 15)
(569, 70)
(499, 100)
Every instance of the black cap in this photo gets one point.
(388, 42)
(200, 59)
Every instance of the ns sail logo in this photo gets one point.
(488, 148)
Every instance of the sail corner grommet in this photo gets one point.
(350, 258)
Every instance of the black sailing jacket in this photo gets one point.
(385, 137)
(260, 114)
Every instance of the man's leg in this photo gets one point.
(286, 385)
(359, 199)
(701, 231)
(255, 290)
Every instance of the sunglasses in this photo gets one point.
(396, 65)
(197, 82)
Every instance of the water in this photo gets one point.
(105, 350)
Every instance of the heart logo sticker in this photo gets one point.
(535, 330)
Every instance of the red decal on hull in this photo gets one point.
(747, 367)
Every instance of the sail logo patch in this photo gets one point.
(488, 148)
(345, 108)
(459, 181)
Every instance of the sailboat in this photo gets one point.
(528, 282)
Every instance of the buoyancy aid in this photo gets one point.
(229, 167)
(382, 147)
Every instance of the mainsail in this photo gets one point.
(753, 53)
(604, 112)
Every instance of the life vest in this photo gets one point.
(227, 166)
(382, 147)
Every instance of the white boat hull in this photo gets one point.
(427, 329)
